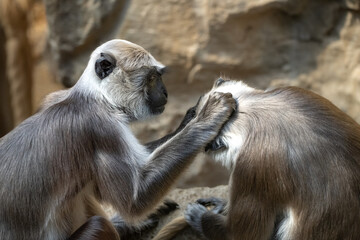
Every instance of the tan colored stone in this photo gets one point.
(266, 43)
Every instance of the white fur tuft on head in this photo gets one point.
(234, 132)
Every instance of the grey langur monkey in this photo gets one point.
(78, 151)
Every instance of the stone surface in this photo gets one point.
(76, 28)
(312, 44)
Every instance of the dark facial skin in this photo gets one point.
(157, 94)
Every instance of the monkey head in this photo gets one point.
(129, 77)
(230, 139)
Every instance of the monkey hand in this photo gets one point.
(218, 205)
(128, 231)
(193, 215)
(190, 114)
(216, 111)
(167, 207)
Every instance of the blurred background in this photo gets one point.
(314, 44)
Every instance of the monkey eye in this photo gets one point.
(153, 78)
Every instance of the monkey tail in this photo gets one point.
(170, 230)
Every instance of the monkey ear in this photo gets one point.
(104, 65)
(162, 70)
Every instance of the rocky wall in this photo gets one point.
(309, 43)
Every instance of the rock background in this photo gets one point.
(309, 43)
(313, 44)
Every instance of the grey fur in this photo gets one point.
(78, 150)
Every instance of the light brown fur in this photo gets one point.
(293, 155)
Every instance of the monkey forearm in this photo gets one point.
(148, 181)
(190, 114)
(166, 164)
(169, 160)
(151, 146)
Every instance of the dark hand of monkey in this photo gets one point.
(219, 105)
(217, 204)
(134, 232)
(190, 114)
(193, 215)
(167, 207)
(195, 211)
(216, 112)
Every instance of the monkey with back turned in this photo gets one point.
(78, 151)
(295, 169)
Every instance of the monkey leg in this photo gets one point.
(128, 231)
(250, 218)
(247, 219)
(96, 228)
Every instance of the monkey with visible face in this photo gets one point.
(78, 151)
(292, 155)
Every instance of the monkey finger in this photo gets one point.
(219, 204)
(167, 207)
(193, 214)
(190, 114)
(171, 205)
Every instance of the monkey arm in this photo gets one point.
(134, 186)
(135, 189)
(166, 164)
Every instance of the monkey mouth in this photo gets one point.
(158, 109)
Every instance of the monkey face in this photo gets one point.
(140, 93)
(156, 91)
(149, 80)
(130, 78)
